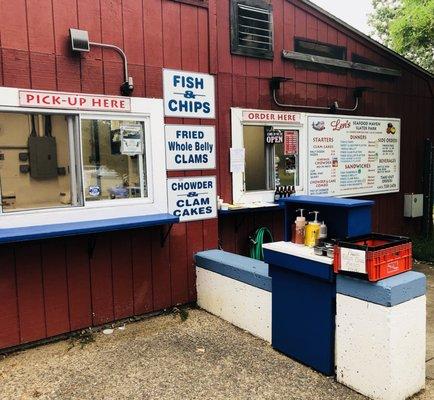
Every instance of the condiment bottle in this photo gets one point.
(312, 231)
(300, 226)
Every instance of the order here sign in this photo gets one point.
(188, 94)
(190, 147)
(192, 199)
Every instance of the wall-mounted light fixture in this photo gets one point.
(275, 83)
(80, 43)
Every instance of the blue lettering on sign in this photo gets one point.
(189, 106)
(191, 158)
(189, 82)
(187, 212)
(192, 185)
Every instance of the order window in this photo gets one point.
(44, 165)
(271, 157)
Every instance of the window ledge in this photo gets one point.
(23, 234)
(248, 209)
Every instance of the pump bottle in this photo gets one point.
(312, 231)
(300, 226)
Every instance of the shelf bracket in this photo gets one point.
(164, 236)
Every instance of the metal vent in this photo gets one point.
(252, 28)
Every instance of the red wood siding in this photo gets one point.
(244, 82)
(52, 287)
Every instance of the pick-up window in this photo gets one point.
(34, 161)
(113, 159)
(44, 165)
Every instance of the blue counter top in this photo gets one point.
(326, 201)
(22, 234)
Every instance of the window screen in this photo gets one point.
(113, 159)
(252, 28)
(34, 161)
(320, 49)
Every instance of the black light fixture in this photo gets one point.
(80, 43)
(275, 82)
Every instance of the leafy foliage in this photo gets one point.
(406, 26)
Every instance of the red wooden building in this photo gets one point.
(54, 286)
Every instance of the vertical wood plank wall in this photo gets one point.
(56, 286)
(244, 82)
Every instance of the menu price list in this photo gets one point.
(353, 155)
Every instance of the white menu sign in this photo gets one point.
(352, 155)
(192, 198)
(188, 94)
(190, 147)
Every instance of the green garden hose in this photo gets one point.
(256, 242)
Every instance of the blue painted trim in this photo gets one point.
(298, 264)
(11, 235)
(240, 268)
(387, 292)
(326, 201)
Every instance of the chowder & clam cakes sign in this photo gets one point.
(188, 94)
(192, 198)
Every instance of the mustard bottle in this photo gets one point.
(312, 231)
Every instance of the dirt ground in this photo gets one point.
(165, 358)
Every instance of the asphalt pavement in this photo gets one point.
(164, 357)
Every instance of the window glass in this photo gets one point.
(256, 167)
(268, 165)
(113, 159)
(286, 160)
(34, 161)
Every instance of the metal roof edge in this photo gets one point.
(366, 37)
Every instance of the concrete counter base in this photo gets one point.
(380, 345)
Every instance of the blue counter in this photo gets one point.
(303, 304)
(344, 217)
(12, 235)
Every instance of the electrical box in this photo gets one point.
(413, 205)
(43, 157)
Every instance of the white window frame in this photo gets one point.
(239, 194)
(148, 110)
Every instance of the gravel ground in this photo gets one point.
(165, 358)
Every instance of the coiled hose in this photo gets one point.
(261, 236)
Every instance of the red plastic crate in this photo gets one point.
(391, 259)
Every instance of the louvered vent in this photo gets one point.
(252, 28)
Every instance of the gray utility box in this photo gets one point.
(43, 157)
(413, 205)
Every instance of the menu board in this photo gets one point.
(352, 155)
